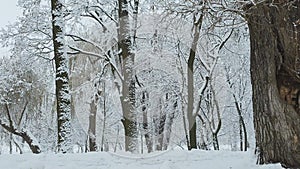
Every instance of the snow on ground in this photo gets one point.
(173, 159)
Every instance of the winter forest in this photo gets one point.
(143, 77)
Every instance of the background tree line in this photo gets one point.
(142, 76)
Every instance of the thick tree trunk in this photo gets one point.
(275, 40)
(63, 96)
(128, 84)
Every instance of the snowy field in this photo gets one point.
(173, 159)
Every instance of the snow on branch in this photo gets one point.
(104, 56)
(26, 135)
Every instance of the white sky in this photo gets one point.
(8, 14)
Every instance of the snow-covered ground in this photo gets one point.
(173, 159)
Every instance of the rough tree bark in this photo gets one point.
(128, 84)
(275, 61)
(63, 96)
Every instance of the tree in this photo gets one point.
(275, 39)
(237, 99)
(128, 83)
(190, 74)
(23, 133)
(63, 97)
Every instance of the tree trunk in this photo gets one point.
(169, 124)
(128, 84)
(215, 141)
(242, 126)
(63, 96)
(215, 129)
(275, 40)
(161, 127)
(92, 125)
(190, 72)
(148, 135)
(104, 118)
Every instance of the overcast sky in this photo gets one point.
(8, 14)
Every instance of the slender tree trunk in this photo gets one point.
(128, 85)
(215, 141)
(161, 127)
(241, 135)
(215, 129)
(104, 119)
(202, 145)
(275, 40)
(92, 125)
(169, 126)
(148, 138)
(242, 125)
(10, 143)
(190, 72)
(185, 126)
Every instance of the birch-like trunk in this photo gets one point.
(128, 85)
(62, 91)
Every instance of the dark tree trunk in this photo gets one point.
(190, 72)
(242, 125)
(215, 141)
(275, 40)
(63, 96)
(92, 126)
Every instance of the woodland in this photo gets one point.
(145, 76)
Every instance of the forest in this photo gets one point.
(144, 77)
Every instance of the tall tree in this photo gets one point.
(190, 73)
(63, 97)
(275, 61)
(128, 85)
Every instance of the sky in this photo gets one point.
(8, 14)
